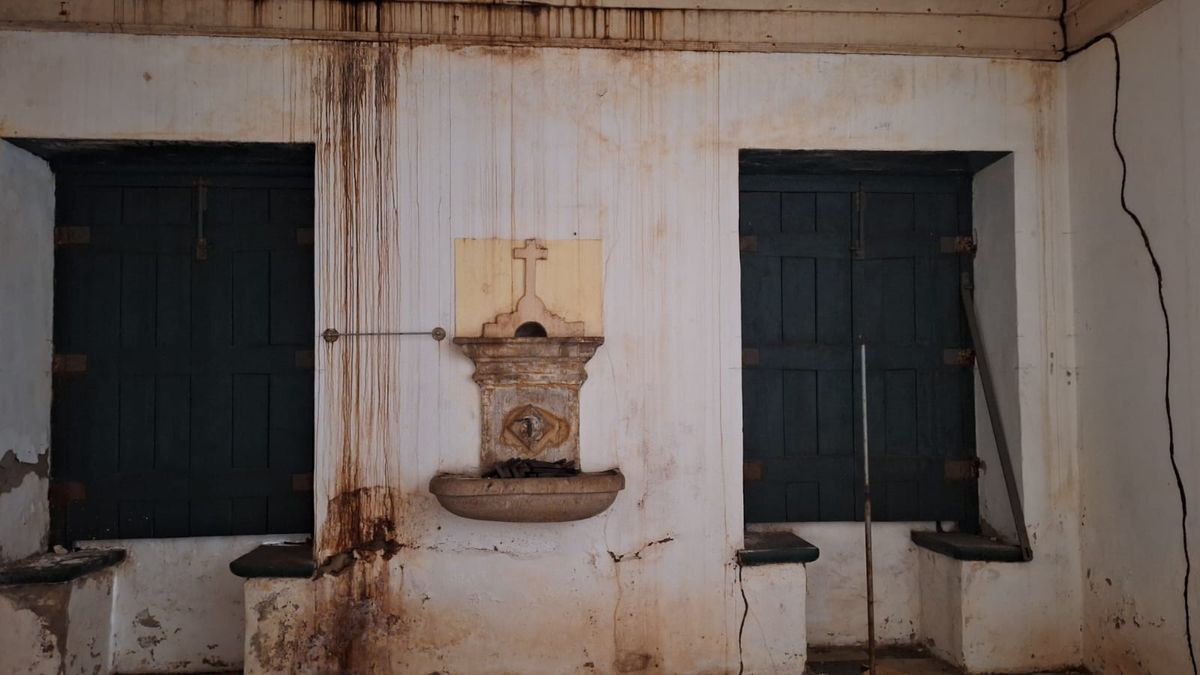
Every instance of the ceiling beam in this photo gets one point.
(1086, 19)
(1025, 29)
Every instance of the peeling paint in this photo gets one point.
(13, 470)
(49, 602)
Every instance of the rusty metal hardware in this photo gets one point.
(331, 335)
(967, 292)
(304, 236)
(965, 244)
(201, 246)
(750, 357)
(302, 482)
(305, 359)
(65, 492)
(858, 248)
(869, 550)
(962, 358)
(956, 470)
(72, 236)
(752, 470)
(69, 364)
(748, 243)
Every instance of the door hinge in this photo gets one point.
(304, 236)
(957, 245)
(748, 243)
(302, 482)
(957, 470)
(65, 492)
(304, 359)
(69, 364)
(752, 470)
(750, 357)
(72, 236)
(960, 357)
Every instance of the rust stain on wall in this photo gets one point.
(363, 619)
(356, 88)
(49, 602)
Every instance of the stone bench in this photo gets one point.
(56, 610)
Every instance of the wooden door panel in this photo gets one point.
(832, 261)
(194, 414)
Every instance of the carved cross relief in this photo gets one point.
(530, 313)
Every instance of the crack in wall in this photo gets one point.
(742, 626)
(637, 555)
(1162, 303)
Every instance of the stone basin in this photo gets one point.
(543, 499)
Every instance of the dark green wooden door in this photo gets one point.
(827, 262)
(183, 391)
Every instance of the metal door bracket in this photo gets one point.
(962, 358)
(963, 469)
(69, 364)
(967, 291)
(752, 470)
(959, 245)
(65, 492)
(200, 250)
(858, 247)
(72, 236)
(302, 482)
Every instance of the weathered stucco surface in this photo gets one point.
(26, 284)
(837, 583)
(1133, 517)
(417, 146)
(176, 606)
(58, 629)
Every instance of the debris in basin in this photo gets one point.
(532, 468)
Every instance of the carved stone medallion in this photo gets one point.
(532, 430)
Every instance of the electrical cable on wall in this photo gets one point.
(1162, 303)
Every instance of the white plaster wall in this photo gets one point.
(177, 606)
(89, 644)
(996, 310)
(62, 628)
(27, 645)
(940, 584)
(837, 583)
(638, 150)
(773, 635)
(1132, 518)
(26, 285)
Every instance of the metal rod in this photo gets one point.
(862, 353)
(967, 290)
(331, 335)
